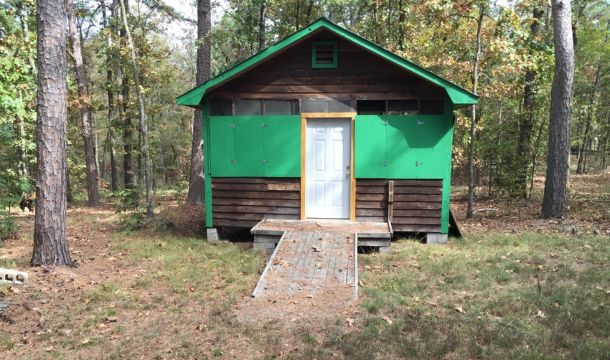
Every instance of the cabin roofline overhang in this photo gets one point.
(459, 96)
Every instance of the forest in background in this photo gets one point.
(501, 51)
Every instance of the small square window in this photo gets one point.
(432, 107)
(248, 107)
(324, 55)
(221, 107)
(281, 107)
(402, 107)
(371, 107)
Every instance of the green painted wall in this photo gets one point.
(386, 147)
(406, 147)
(403, 147)
(255, 146)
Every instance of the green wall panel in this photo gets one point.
(435, 140)
(248, 147)
(370, 147)
(282, 146)
(255, 146)
(403, 147)
(222, 146)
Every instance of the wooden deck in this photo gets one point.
(268, 232)
(311, 264)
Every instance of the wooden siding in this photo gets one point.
(409, 205)
(243, 202)
(359, 75)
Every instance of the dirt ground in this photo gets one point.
(111, 306)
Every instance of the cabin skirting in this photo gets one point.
(409, 205)
(244, 202)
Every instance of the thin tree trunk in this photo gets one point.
(112, 108)
(204, 24)
(555, 187)
(473, 116)
(297, 24)
(22, 157)
(50, 241)
(527, 124)
(401, 26)
(534, 159)
(261, 25)
(122, 86)
(580, 169)
(85, 107)
(142, 115)
(309, 11)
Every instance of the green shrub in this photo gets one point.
(8, 227)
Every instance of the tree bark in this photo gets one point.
(555, 187)
(309, 11)
(473, 116)
(141, 113)
(580, 169)
(401, 26)
(112, 108)
(122, 86)
(50, 241)
(261, 25)
(204, 24)
(527, 123)
(85, 107)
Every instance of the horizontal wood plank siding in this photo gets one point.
(243, 202)
(416, 203)
(359, 75)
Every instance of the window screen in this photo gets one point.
(371, 107)
(402, 107)
(248, 107)
(432, 107)
(221, 107)
(324, 54)
(281, 107)
(327, 105)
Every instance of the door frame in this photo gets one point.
(348, 116)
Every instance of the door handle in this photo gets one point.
(347, 171)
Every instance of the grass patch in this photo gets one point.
(489, 296)
(195, 269)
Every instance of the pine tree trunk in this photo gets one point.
(297, 16)
(309, 11)
(527, 124)
(580, 169)
(50, 241)
(473, 116)
(85, 107)
(555, 187)
(112, 108)
(122, 86)
(401, 26)
(204, 24)
(142, 115)
(261, 25)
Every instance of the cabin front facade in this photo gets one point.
(326, 125)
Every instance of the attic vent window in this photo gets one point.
(324, 55)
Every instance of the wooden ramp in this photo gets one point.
(311, 264)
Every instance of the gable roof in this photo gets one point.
(458, 95)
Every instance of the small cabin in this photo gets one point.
(327, 125)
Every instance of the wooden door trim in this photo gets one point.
(349, 116)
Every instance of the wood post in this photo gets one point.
(390, 200)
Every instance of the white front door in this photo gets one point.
(327, 163)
